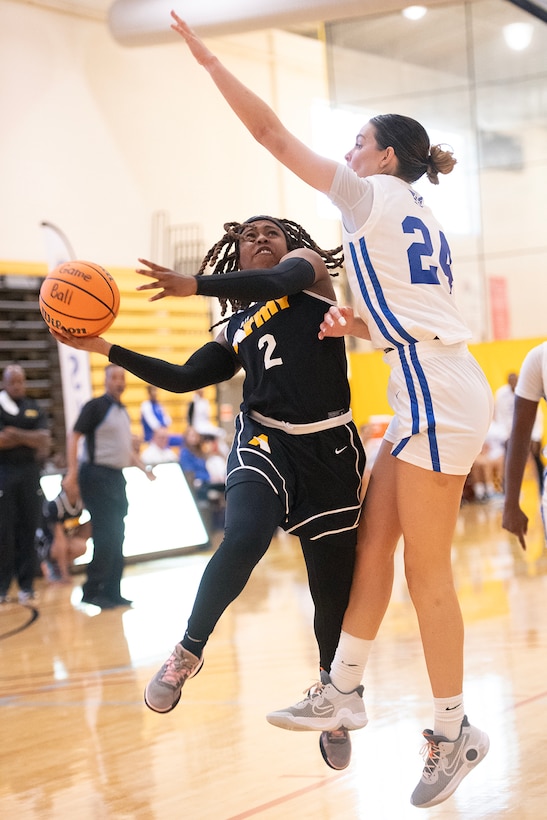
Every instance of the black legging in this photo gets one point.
(329, 562)
(253, 514)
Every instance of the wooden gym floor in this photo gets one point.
(78, 742)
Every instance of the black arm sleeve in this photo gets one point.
(290, 276)
(211, 364)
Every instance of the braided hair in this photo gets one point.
(223, 257)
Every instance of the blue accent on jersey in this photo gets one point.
(411, 391)
(412, 370)
(429, 411)
(382, 303)
(396, 450)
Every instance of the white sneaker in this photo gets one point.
(447, 762)
(324, 709)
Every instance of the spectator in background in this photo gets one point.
(215, 459)
(97, 475)
(504, 404)
(158, 451)
(199, 415)
(486, 476)
(62, 536)
(154, 416)
(24, 445)
(192, 462)
(196, 456)
(199, 411)
(216, 465)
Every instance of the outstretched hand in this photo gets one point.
(170, 282)
(336, 322)
(196, 46)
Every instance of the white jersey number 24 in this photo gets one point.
(419, 252)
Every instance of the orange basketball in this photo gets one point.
(79, 297)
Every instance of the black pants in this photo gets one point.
(253, 514)
(20, 504)
(104, 496)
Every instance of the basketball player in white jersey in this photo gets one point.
(530, 388)
(399, 268)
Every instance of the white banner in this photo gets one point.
(75, 370)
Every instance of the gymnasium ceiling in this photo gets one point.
(146, 22)
(142, 22)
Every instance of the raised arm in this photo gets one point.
(259, 119)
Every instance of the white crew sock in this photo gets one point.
(449, 713)
(349, 662)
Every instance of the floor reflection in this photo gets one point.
(71, 688)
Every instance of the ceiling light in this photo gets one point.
(414, 12)
(518, 35)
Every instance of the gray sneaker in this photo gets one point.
(324, 709)
(447, 762)
(163, 692)
(336, 748)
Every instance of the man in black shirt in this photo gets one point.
(24, 443)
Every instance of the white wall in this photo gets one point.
(97, 137)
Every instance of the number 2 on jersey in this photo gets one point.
(418, 253)
(268, 341)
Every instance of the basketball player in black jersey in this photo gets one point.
(297, 460)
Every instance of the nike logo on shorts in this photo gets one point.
(340, 450)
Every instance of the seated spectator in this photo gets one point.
(197, 454)
(62, 536)
(486, 476)
(215, 462)
(215, 459)
(158, 451)
(192, 461)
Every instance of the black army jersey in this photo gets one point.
(282, 374)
